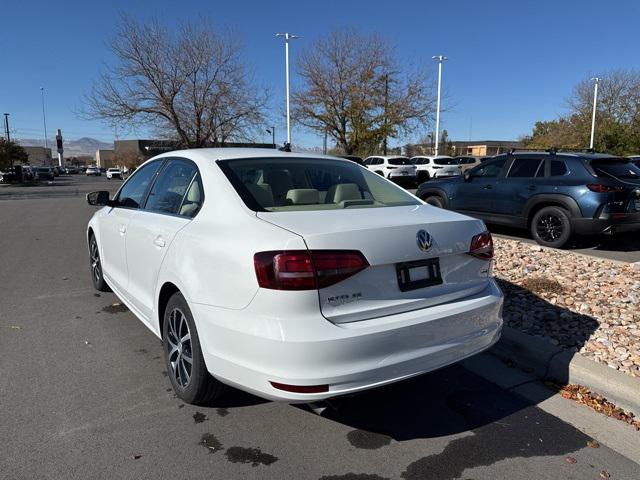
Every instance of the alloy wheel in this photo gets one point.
(96, 269)
(549, 228)
(179, 348)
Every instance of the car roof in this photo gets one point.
(538, 153)
(233, 153)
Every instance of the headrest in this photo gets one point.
(303, 196)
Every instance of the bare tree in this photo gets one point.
(354, 90)
(191, 84)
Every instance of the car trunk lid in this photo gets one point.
(388, 238)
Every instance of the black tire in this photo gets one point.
(380, 173)
(423, 176)
(434, 200)
(196, 386)
(96, 266)
(551, 227)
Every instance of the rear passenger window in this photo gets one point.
(171, 186)
(558, 168)
(524, 167)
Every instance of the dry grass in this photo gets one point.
(543, 285)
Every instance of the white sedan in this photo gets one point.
(293, 276)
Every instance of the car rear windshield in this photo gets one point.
(399, 161)
(445, 161)
(298, 184)
(622, 168)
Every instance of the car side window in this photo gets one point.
(132, 193)
(171, 187)
(489, 169)
(558, 168)
(524, 167)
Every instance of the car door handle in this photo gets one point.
(532, 188)
(159, 242)
(122, 229)
(488, 187)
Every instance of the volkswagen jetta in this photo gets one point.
(292, 276)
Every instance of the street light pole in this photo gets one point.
(272, 131)
(287, 37)
(439, 59)
(593, 117)
(44, 119)
(6, 128)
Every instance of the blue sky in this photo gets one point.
(511, 62)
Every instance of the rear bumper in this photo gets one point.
(403, 179)
(610, 223)
(250, 348)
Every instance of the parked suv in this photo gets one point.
(428, 166)
(397, 169)
(553, 194)
(114, 173)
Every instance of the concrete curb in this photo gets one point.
(549, 362)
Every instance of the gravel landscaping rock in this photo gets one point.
(583, 304)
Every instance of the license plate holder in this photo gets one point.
(418, 274)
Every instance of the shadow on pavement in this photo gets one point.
(455, 401)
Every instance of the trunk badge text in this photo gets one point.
(424, 240)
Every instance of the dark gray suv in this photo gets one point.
(553, 194)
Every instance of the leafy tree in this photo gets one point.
(617, 117)
(191, 84)
(353, 89)
(11, 152)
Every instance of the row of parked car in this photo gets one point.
(31, 173)
(555, 195)
(414, 170)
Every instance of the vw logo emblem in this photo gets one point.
(424, 240)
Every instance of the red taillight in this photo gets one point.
(300, 388)
(599, 188)
(305, 269)
(482, 246)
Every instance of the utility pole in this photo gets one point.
(386, 102)
(44, 119)
(593, 117)
(439, 59)
(324, 143)
(7, 135)
(287, 37)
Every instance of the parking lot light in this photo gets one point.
(287, 37)
(593, 116)
(439, 59)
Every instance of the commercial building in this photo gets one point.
(475, 148)
(38, 155)
(104, 158)
(130, 153)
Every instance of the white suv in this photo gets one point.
(396, 168)
(114, 173)
(427, 166)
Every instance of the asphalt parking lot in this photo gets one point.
(84, 393)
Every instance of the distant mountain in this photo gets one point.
(72, 148)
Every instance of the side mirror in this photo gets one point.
(99, 198)
(467, 176)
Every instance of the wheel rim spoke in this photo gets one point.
(549, 228)
(178, 347)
